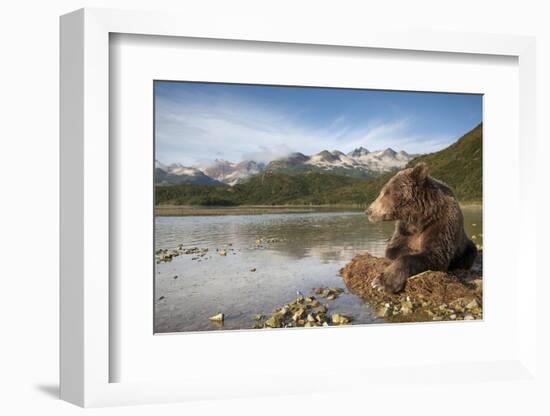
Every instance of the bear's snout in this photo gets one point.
(378, 211)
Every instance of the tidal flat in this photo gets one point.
(235, 262)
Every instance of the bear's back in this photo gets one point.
(443, 187)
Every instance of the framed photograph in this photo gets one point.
(258, 225)
(235, 204)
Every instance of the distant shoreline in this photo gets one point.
(194, 210)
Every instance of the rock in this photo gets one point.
(258, 317)
(406, 308)
(473, 304)
(323, 308)
(328, 293)
(217, 318)
(298, 315)
(222, 252)
(458, 305)
(321, 318)
(430, 287)
(253, 269)
(310, 318)
(453, 316)
(175, 277)
(161, 298)
(274, 321)
(283, 311)
(383, 311)
(478, 284)
(339, 319)
(469, 317)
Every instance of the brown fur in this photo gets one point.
(429, 230)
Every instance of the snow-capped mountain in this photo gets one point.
(358, 163)
(377, 162)
(360, 151)
(381, 160)
(177, 174)
(233, 173)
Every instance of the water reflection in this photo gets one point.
(310, 249)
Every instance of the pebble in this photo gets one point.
(406, 308)
(383, 311)
(217, 318)
(328, 293)
(339, 319)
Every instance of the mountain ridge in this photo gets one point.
(359, 163)
(459, 165)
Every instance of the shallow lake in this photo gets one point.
(307, 251)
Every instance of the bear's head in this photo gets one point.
(400, 196)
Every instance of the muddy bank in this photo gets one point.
(428, 296)
(193, 210)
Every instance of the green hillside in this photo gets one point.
(265, 189)
(459, 165)
(288, 168)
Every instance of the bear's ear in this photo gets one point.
(420, 171)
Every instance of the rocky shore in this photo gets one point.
(306, 312)
(428, 296)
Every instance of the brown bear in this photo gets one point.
(429, 230)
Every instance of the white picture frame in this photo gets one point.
(86, 290)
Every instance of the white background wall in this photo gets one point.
(29, 177)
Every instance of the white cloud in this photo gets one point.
(197, 131)
(399, 136)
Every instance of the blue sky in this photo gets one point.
(196, 123)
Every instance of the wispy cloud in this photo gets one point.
(196, 130)
(399, 135)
